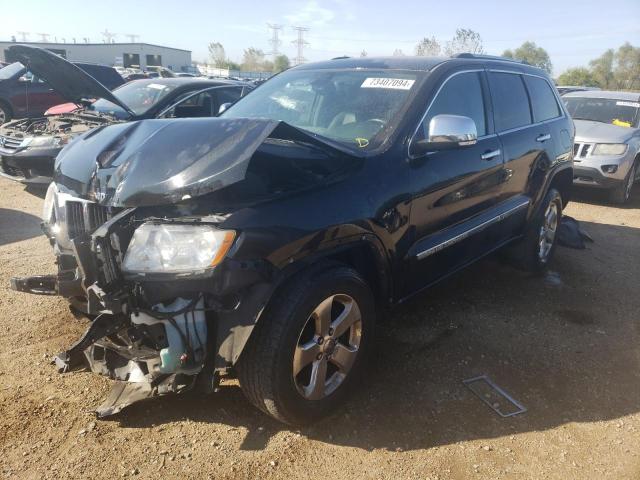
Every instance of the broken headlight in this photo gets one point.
(175, 248)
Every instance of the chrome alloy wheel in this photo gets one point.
(327, 347)
(548, 232)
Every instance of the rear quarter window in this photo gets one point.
(510, 100)
(543, 100)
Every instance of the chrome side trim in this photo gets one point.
(478, 228)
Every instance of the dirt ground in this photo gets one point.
(566, 345)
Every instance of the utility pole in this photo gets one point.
(275, 38)
(133, 38)
(44, 37)
(108, 36)
(300, 43)
(24, 36)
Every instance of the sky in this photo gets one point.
(573, 32)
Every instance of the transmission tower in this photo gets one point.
(300, 43)
(108, 36)
(44, 37)
(133, 38)
(24, 36)
(275, 38)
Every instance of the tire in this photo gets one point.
(266, 366)
(5, 113)
(622, 193)
(528, 254)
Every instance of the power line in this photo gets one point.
(300, 43)
(275, 38)
(108, 36)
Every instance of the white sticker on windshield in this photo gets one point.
(628, 104)
(157, 86)
(391, 83)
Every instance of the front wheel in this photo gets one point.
(310, 346)
(534, 252)
(622, 193)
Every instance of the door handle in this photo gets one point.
(490, 155)
(543, 137)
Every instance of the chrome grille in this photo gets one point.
(9, 143)
(581, 150)
(84, 217)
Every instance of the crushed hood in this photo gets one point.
(598, 132)
(70, 81)
(161, 162)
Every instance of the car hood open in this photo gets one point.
(70, 81)
(161, 162)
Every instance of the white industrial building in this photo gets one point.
(136, 55)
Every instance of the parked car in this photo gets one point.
(25, 95)
(264, 242)
(607, 145)
(28, 147)
(564, 89)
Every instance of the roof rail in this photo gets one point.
(340, 58)
(489, 57)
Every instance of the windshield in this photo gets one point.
(623, 113)
(11, 71)
(354, 107)
(139, 96)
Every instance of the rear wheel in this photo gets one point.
(5, 113)
(310, 346)
(534, 252)
(622, 193)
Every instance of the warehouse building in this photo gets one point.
(135, 55)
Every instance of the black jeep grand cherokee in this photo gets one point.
(263, 243)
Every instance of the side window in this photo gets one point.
(543, 101)
(460, 95)
(510, 101)
(229, 95)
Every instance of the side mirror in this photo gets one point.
(24, 79)
(447, 132)
(223, 107)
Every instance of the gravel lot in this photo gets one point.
(566, 345)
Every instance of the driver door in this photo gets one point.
(454, 190)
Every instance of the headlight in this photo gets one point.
(44, 142)
(610, 149)
(174, 248)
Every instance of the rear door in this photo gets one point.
(41, 97)
(526, 143)
(453, 190)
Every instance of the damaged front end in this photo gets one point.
(138, 219)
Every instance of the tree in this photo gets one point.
(602, 69)
(217, 54)
(464, 41)
(363, 53)
(253, 59)
(530, 53)
(627, 67)
(281, 63)
(428, 47)
(398, 53)
(578, 76)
